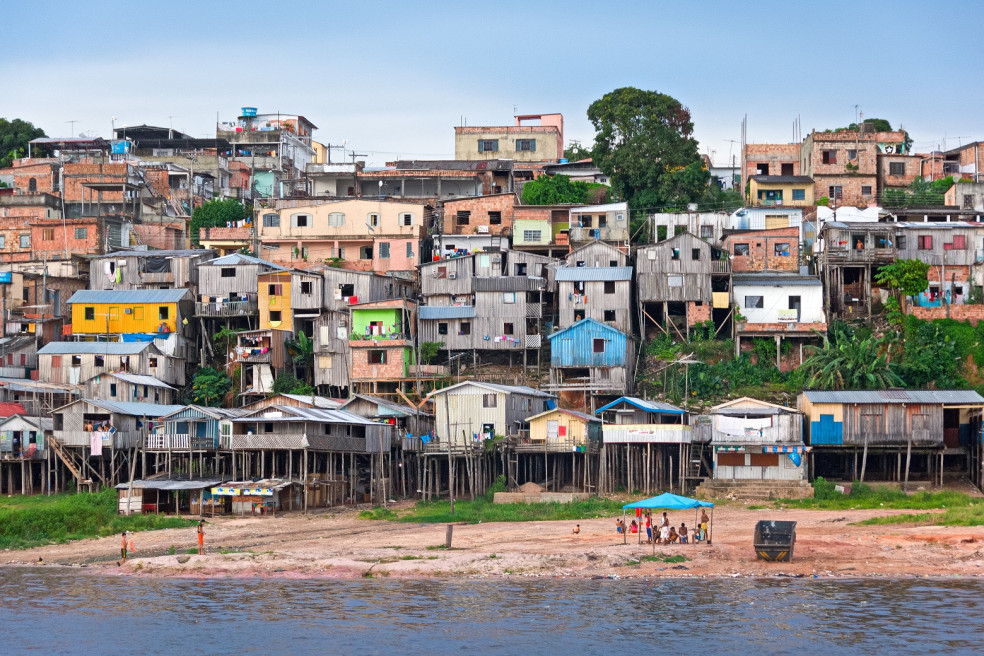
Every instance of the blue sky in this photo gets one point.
(394, 78)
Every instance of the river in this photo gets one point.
(56, 611)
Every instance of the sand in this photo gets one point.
(339, 545)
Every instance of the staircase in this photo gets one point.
(71, 465)
(754, 490)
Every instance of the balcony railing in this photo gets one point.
(646, 433)
(178, 442)
(226, 309)
(119, 439)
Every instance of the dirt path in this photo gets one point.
(338, 545)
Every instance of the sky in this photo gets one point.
(392, 79)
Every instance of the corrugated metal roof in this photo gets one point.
(608, 207)
(447, 311)
(508, 389)
(319, 401)
(393, 408)
(590, 274)
(135, 409)
(185, 252)
(129, 296)
(140, 379)
(584, 323)
(572, 413)
(239, 258)
(44, 423)
(99, 348)
(642, 404)
(215, 413)
(26, 385)
(172, 484)
(323, 415)
(775, 279)
(948, 397)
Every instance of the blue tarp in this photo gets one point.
(140, 337)
(667, 501)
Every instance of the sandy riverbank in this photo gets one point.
(338, 545)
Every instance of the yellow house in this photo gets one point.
(273, 300)
(101, 312)
(564, 430)
(781, 190)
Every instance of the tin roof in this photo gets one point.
(140, 379)
(649, 406)
(572, 413)
(447, 311)
(589, 274)
(291, 413)
(584, 323)
(172, 484)
(133, 408)
(239, 258)
(775, 279)
(98, 348)
(507, 389)
(930, 397)
(319, 401)
(130, 296)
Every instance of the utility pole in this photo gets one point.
(329, 148)
(354, 155)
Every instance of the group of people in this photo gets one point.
(128, 549)
(664, 532)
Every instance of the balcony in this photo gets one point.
(721, 266)
(178, 442)
(224, 234)
(534, 310)
(533, 341)
(229, 309)
(646, 434)
(118, 440)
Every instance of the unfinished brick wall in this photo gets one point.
(774, 155)
(912, 166)
(479, 208)
(971, 313)
(52, 239)
(77, 175)
(362, 369)
(762, 250)
(698, 312)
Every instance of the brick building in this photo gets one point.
(763, 250)
(770, 159)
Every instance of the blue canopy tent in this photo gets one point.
(668, 501)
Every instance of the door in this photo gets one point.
(553, 428)
(795, 304)
(113, 320)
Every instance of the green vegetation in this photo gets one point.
(864, 496)
(560, 189)
(575, 151)
(428, 351)
(483, 510)
(921, 193)
(287, 383)
(903, 278)
(665, 558)
(27, 522)
(971, 515)
(848, 362)
(216, 214)
(302, 351)
(644, 142)
(14, 136)
(209, 386)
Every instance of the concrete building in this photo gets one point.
(532, 138)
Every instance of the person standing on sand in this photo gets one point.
(703, 525)
(649, 527)
(130, 549)
(122, 548)
(201, 537)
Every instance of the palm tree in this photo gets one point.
(302, 350)
(848, 363)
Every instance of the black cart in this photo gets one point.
(774, 540)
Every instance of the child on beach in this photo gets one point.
(683, 533)
(577, 529)
(619, 527)
(123, 548)
(201, 537)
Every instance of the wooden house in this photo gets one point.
(757, 451)
(297, 401)
(590, 356)
(18, 354)
(608, 223)
(596, 283)
(73, 363)
(409, 421)
(290, 300)
(23, 453)
(192, 429)
(117, 312)
(260, 353)
(883, 433)
(227, 287)
(471, 411)
(121, 386)
(560, 449)
(708, 226)
(681, 282)
(849, 256)
(646, 444)
(152, 269)
(561, 430)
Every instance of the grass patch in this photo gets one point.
(756, 507)
(409, 557)
(378, 513)
(665, 558)
(864, 496)
(483, 510)
(437, 547)
(191, 552)
(27, 522)
(971, 515)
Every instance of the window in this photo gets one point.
(271, 220)
(163, 313)
(674, 281)
(694, 253)
(532, 235)
(508, 297)
(275, 290)
(58, 422)
(786, 169)
(707, 232)
(782, 249)
(829, 156)
(300, 220)
(3, 241)
(495, 218)
(587, 222)
(799, 194)
(32, 185)
(525, 145)
(442, 328)
(384, 249)
(520, 268)
(836, 192)
(609, 286)
(609, 315)
(896, 168)
(152, 363)
(372, 220)
(488, 145)
(865, 190)
(968, 201)
(489, 401)
(306, 287)
(959, 242)
(100, 361)
(227, 272)
(901, 241)
(675, 254)
(112, 389)
(612, 263)
(406, 219)
(81, 233)
(336, 219)
(462, 217)
(410, 249)
(268, 427)
(602, 221)
(90, 314)
(597, 345)
(442, 272)
(741, 250)
(276, 316)
(76, 361)
(376, 357)
(466, 328)
(365, 253)
(852, 155)
(925, 242)
(578, 315)
(755, 302)
(25, 241)
(507, 329)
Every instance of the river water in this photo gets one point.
(49, 611)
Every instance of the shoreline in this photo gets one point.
(337, 545)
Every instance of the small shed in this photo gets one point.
(562, 430)
(261, 497)
(163, 495)
(757, 440)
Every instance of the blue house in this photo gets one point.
(193, 428)
(591, 356)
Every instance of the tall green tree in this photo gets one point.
(14, 136)
(644, 141)
(560, 189)
(576, 151)
(849, 363)
(209, 386)
(904, 278)
(217, 213)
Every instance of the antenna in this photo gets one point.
(71, 130)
